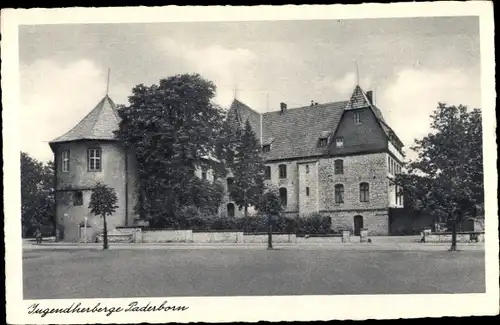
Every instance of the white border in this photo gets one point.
(298, 308)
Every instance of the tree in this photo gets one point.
(248, 170)
(37, 194)
(103, 203)
(270, 204)
(171, 127)
(446, 179)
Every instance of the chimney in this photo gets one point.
(369, 95)
(283, 107)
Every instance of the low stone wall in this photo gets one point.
(217, 237)
(461, 238)
(116, 238)
(144, 235)
(165, 236)
(263, 238)
(320, 240)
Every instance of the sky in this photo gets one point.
(411, 64)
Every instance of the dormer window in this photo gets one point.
(357, 118)
(339, 142)
(266, 145)
(323, 139)
(322, 143)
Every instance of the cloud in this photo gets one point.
(55, 97)
(412, 95)
(226, 67)
(346, 84)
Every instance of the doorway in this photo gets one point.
(358, 224)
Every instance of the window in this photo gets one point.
(399, 195)
(364, 192)
(339, 193)
(65, 161)
(283, 196)
(94, 160)
(230, 182)
(322, 142)
(230, 157)
(307, 169)
(339, 167)
(282, 169)
(266, 148)
(204, 174)
(230, 210)
(78, 198)
(267, 172)
(307, 191)
(357, 118)
(339, 142)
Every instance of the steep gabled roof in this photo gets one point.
(241, 113)
(99, 124)
(359, 99)
(297, 131)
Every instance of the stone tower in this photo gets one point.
(87, 154)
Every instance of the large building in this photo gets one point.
(335, 159)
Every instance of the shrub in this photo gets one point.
(313, 224)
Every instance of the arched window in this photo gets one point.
(339, 193)
(283, 196)
(339, 166)
(282, 169)
(364, 192)
(230, 210)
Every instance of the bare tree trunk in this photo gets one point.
(105, 237)
(246, 210)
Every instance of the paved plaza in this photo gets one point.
(232, 270)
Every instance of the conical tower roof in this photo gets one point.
(99, 124)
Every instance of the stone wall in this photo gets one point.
(320, 240)
(296, 182)
(290, 183)
(139, 235)
(376, 221)
(78, 178)
(277, 238)
(167, 236)
(369, 168)
(308, 179)
(218, 237)
(461, 238)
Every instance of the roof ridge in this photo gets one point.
(309, 106)
(113, 107)
(83, 119)
(246, 106)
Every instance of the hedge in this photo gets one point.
(309, 224)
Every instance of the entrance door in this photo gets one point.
(358, 224)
